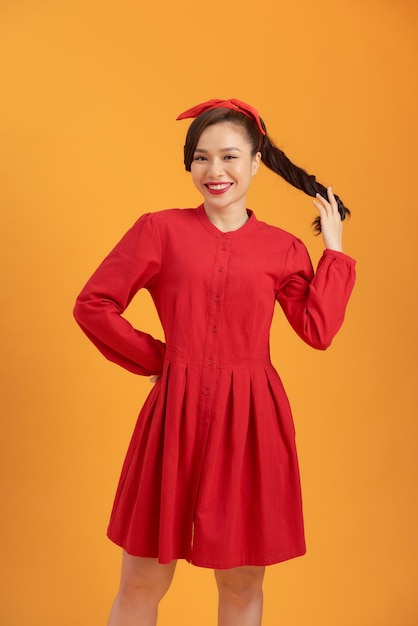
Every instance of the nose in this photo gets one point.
(216, 167)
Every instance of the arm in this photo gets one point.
(134, 263)
(315, 304)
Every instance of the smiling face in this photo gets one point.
(223, 166)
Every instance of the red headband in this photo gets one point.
(232, 103)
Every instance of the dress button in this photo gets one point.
(210, 362)
(214, 329)
(220, 268)
(223, 247)
(217, 299)
(206, 392)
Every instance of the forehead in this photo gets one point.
(222, 134)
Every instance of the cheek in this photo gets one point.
(193, 173)
(195, 177)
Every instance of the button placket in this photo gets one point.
(209, 370)
(214, 323)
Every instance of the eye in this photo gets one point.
(199, 158)
(229, 157)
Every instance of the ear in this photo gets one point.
(256, 163)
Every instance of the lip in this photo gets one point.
(218, 188)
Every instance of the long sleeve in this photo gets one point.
(134, 263)
(315, 304)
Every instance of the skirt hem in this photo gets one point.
(212, 563)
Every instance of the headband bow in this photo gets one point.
(232, 103)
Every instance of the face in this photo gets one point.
(222, 167)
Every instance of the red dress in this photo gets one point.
(211, 474)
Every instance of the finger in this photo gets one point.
(319, 206)
(333, 202)
(321, 198)
(153, 379)
(320, 202)
(322, 205)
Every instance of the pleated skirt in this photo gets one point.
(219, 488)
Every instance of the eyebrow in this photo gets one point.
(222, 150)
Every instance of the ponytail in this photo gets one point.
(271, 156)
(276, 160)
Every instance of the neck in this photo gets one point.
(227, 219)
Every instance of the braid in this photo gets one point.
(272, 157)
(276, 160)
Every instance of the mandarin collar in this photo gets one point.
(249, 225)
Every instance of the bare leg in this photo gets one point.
(142, 585)
(240, 596)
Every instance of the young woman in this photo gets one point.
(211, 474)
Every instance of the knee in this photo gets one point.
(144, 578)
(240, 586)
(132, 586)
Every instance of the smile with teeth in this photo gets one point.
(219, 187)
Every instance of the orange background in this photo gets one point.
(89, 142)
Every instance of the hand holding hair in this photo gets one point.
(331, 224)
(244, 115)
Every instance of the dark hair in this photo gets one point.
(272, 157)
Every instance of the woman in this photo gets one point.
(211, 474)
